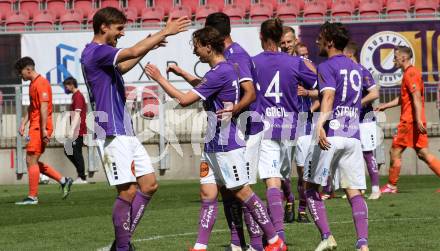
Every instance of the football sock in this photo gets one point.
(434, 164)
(255, 232)
(207, 217)
(359, 211)
(34, 178)
(234, 217)
(260, 215)
(370, 160)
(394, 171)
(138, 206)
(317, 210)
(328, 189)
(121, 223)
(276, 211)
(302, 197)
(286, 186)
(50, 172)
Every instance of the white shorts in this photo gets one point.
(252, 156)
(275, 158)
(124, 159)
(224, 169)
(302, 148)
(368, 136)
(343, 161)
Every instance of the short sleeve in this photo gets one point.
(243, 67)
(43, 91)
(326, 79)
(367, 80)
(106, 55)
(413, 81)
(307, 74)
(210, 84)
(78, 102)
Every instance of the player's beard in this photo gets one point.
(322, 52)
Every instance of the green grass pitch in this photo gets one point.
(409, 220)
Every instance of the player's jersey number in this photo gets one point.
(273, 91)
(355, 82)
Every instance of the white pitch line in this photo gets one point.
(158, 237)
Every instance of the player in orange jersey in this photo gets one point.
(39, 116)
(411, 131)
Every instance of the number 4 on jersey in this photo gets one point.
(274, 84)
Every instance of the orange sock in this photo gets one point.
(49, 171)
(394, 172)
(433, 163)
(34, 178)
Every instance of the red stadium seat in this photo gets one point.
(131, 14)
(425, 8)
(288, 11)
(110, 3)
(192, 4)
(44, 21)
(139, 5)
(17, 22)
(71, 20)
(56, 7)
(397, 9)
(274, 3)
(245, 3)
(203, 11)
(152, 16)
(130, 92)
(370, 9)
(180, 11)
(219, 3)
(166, 5)
(90, 18)
(85, 6)
(260, 12)
(5, 8)
(314, 11)
(342, 10)
(235, 12)
(150, 102)
(30, 6)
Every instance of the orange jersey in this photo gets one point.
(40, 91)
(411, 82)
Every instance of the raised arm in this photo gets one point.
(191, 79)
(373, 94)
(393, 103)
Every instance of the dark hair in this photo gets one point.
(336, 33)
(352, 47)
(23, 63)
(70, 81)
(107, 16)
(299, 44)
(272, 29)
(287, 29)
(221, 22)
(209, 36)
(404, 49)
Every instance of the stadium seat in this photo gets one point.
(130, 92)
(110, 3)
(56, 7)
(192, 4)
(342, 10)
(180, 11)
(260, 12)
(17, 22)
(245, 3)
(139, 5)
(235, 12)
(396, 9)
(90, 18)
(288, 11)
(152, 16)
(314, 11)
(274, 3)
(30, 6)
(85, 6)
(370, 9)
(203, 11)
(219, 3)
(131, 14)
(166, 5)
(5, 8)
(150, 102)
(43, 21)
(71, 20)
(425, 8)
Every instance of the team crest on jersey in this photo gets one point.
(377, 55)
(45, 95)
(204, 169)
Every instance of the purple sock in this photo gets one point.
(259, 213)
(255, 232)
(359, 211)
(121, 223)
(302, 197)
(138, 206)
(207, 217)
(275, 205)
(370, 160)
(328, 189)
(234, 217)
(286, 186)
(317, 210)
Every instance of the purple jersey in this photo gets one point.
(220, 86)
(367, 85)
(107, 88)
(277, 76)
(305, 120)
(342, 75)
